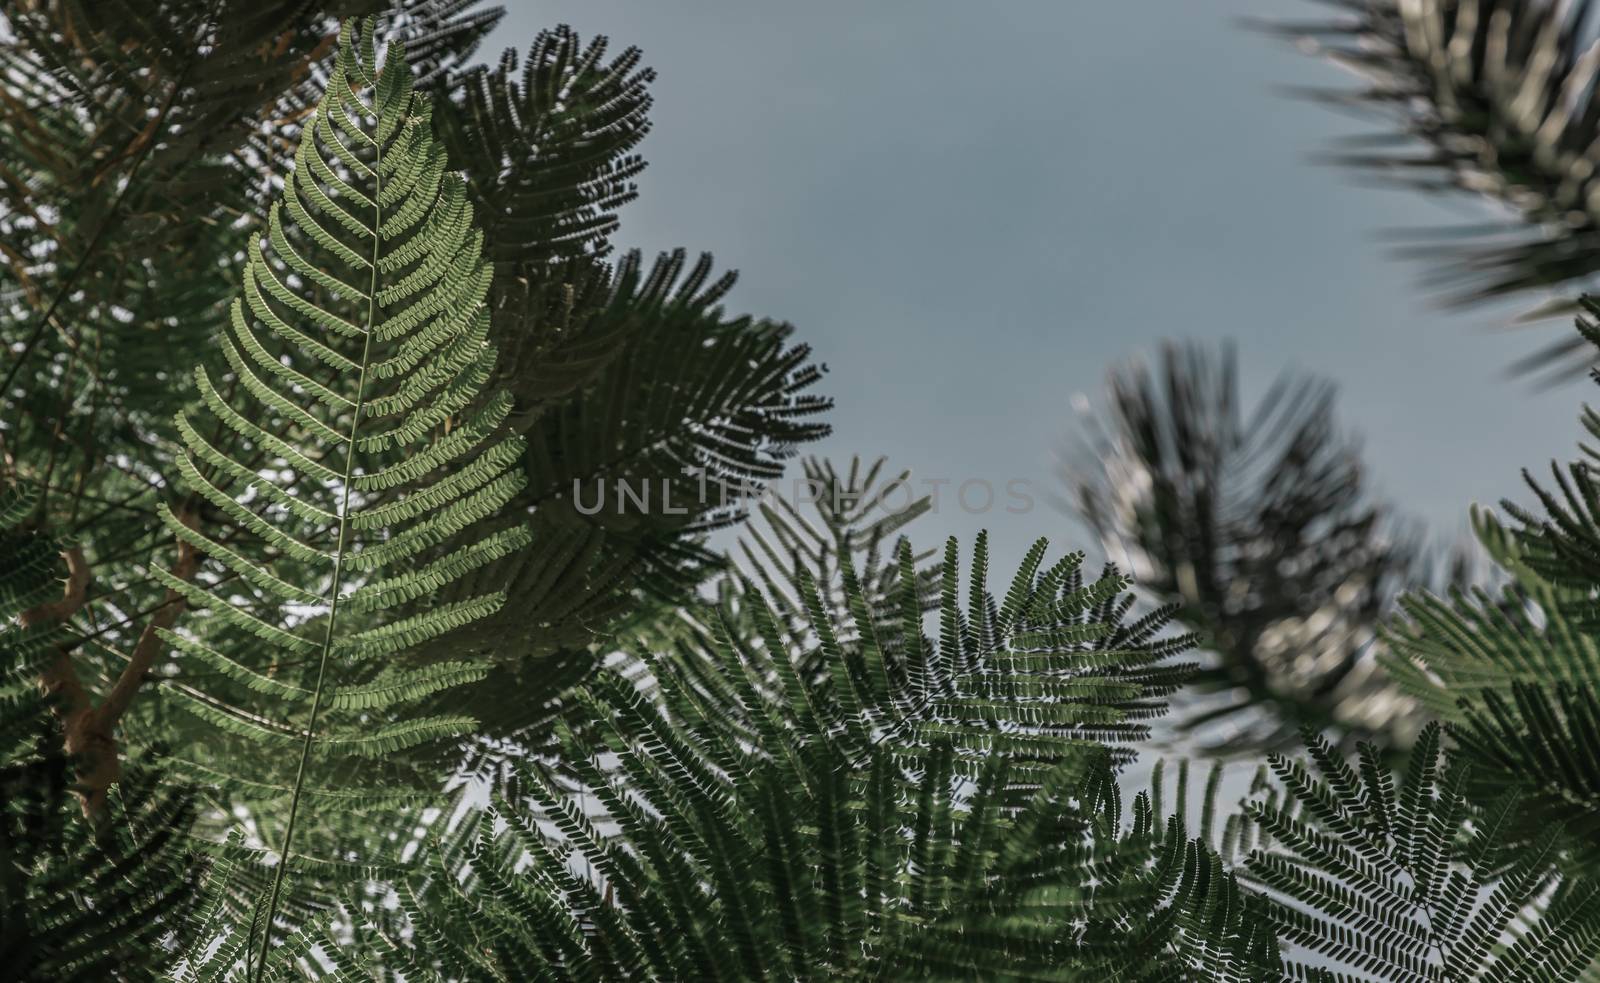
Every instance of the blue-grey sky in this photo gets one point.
(971, 210)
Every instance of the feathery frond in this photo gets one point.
(630, 463)
(357, 357)
(76, 902)
(1049, 666)
(547, 148)
(77, 905)
(29, 577)
(136, 138)
(1400, 878)
(855, 519)
(1515, 673)
(750, 823)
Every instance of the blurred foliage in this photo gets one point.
(1494, 100)
(1256, 526)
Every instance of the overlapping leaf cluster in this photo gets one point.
(851, 762)
(934, 809)
(143, 142)
(366, 444)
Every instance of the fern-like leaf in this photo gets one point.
(919, 810)
(76, 902)
(364, 447)
(1405, 881)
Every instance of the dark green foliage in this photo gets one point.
(1257, 528)
(1563, 545)
(614, 372)
(1193, 921)
(1515, 672)
(622, 375)
(75, 902)
(625, 373)
(139, 139)
(351, 479)
(152, 227)
(75, 905)
(676, 404)
(1534, 628)
(823, 756)
(1401, 878)
(137, 136)
(912, 883)
(616, 466)
(853, 518)
(1185, 915)
(921, 810)
(547, 149)
(30, 575)
(364, 445)
(1454, 647)
(1542, 744)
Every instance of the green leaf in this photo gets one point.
(363, 446)
(1414, 885)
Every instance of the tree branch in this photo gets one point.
(77, 589)
(60, 681)
(89, 731)
(71, 702)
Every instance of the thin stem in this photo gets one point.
(338, 560)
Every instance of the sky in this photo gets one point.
(971, 211)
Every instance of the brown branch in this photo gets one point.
(104, 762)
(60, 680)
(89, 731)
(71, 702)
(55, 612)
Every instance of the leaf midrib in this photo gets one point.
(342, 542)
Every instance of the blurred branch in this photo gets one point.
(1261, 526)
(1495, 99)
